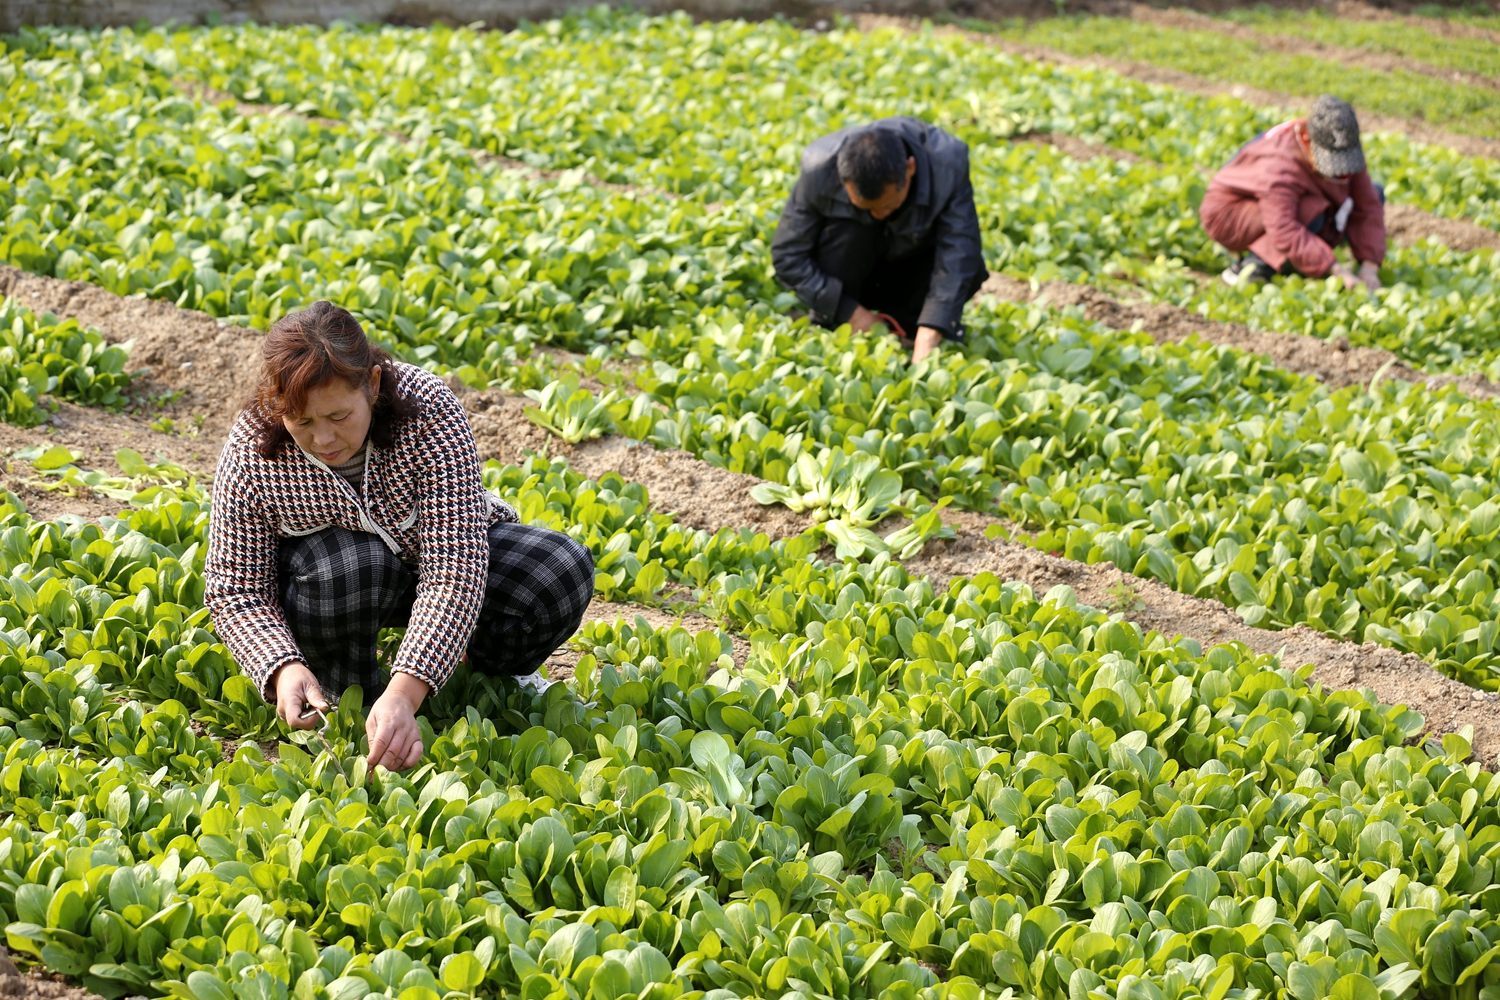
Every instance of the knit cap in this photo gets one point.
(1334, 132)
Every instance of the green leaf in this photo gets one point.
(55, 458)
(462, 972)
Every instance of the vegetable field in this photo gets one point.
(837, 779)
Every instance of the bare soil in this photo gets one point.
(1421, 131)
(1079, 149)
(37, 985)
(1407, 224)
(185, 364)
(1336, 364)
(54, 504)
(699, 494)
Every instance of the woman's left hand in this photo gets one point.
(391, 727)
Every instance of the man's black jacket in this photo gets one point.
(938, 210)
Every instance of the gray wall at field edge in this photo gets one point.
(103, 13)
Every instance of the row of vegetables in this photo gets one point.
(719, 113)
(715, 110)
(897, 793)
(1369, 514)
(44, 356)
(238, 218)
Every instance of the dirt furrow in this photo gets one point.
(710, 498)
(1420, 131)
(1079, 149)
(185, 364)
(1382, 62)
(1407, 224)
(1337, 364)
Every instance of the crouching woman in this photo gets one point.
(348, 500)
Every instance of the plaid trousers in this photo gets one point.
(340, 588)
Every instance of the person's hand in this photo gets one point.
(927, 341)
(391, 727)
(1348, 277)
(1369, 273)
(862, 320)
(296, 687)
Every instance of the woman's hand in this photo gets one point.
(295, 687)
(1369, 273)
(391, 726)
(1348, 277)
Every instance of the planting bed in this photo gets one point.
(1144, 646)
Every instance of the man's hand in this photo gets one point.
(1369, 273)
(862, 320)
(295, 687)
(927, 341)
(391, 727)
(1348, 277)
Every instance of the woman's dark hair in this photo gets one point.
(306, 350)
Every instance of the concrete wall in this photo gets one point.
(500, 13)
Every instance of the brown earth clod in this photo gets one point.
(1406, 225)
(37, 985)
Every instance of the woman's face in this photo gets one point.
(333, 425)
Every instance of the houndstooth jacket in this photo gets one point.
(422, 496)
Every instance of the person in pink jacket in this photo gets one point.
(1293, 194)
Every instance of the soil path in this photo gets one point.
(1396, 678)
(1381, 62)
(1407, 224)
(1336, 364)
(1469, 145)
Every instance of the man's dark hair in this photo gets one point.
(871, 160)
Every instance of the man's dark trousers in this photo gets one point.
(855, 254)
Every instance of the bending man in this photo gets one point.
(881, 227)
(348, 500)
(1294, 193)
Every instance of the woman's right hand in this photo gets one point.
(296, 687)
(1348, 277)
